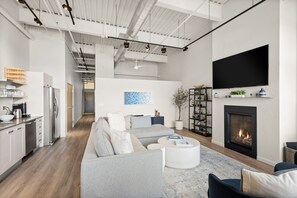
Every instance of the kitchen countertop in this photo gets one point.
(15, 122)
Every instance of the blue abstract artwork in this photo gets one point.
(135, 98)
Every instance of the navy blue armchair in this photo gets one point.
(227, 188)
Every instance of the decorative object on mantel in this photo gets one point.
(179, 100)
(198, 86)
(262, 93)
(237, 93)
(17, 75)
(157, 113)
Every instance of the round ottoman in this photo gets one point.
(181, 157)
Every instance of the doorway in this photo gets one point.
(89, 102)
(69, 107)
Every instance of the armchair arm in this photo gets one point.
(284, 166)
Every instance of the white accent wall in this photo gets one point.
(275, 122)
(147, 70)
(109, 97)
(14, 44)
(49, 54)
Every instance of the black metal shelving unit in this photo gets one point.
(200, 111)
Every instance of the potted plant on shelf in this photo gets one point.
(237, 93)
(179, 100)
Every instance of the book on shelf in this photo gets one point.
(183, 143)
(175, 137)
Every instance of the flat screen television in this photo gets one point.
(246, 69)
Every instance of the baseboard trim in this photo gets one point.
(265, 160)
(218, 143)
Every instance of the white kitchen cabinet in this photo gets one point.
(39, 132)
(12, 146)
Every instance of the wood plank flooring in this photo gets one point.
(55, 171)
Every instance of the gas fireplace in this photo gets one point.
(241, 129)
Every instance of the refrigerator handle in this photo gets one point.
(56, 107)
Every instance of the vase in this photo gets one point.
(179, 125)
(262, 93)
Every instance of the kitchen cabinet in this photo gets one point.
(12, 146)
(39, 132)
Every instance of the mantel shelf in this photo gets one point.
(247, 97)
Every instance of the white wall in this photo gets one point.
(104, 61)
(255, 28)
(73, 79)
(47, 54)
(109, 97)
(191, 67)
(287, 72)
(147, 70)
(14, 44)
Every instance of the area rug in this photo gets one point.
(194, 182)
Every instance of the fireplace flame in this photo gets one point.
(247, 136)
(240, 133)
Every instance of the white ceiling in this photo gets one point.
(118, 13)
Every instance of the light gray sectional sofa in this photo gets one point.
(137, 174)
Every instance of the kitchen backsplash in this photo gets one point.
(5, 102)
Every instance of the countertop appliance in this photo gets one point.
(51, 115)
(22, 107)
(30, 136)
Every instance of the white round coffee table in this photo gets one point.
(161, 147)
(181, 157)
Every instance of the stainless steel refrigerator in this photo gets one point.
(51, 115)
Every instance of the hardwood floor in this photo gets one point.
(54, 171)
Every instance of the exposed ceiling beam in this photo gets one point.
(187, 7)
(142, 11)
(92, 28)
(85, 71)
(15, 23)
(88, 49)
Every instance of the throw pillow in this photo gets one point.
(121, 142)
(101, 139)
(141, 122)
(103, 125)
(266, 185)
(128, 121)
(116, 121)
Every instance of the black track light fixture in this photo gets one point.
(69, 9)
(36, 19)
(126, 44)
(163, 50)
(21, 1)
(185, 48)
(66, 7)
(147, 47)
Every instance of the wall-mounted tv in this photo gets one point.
(246, 69)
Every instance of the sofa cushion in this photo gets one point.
(128, 121)
(155, 130)
(266, 185)
(137, 146)
(116, 121)
(141, 122)
(121, 142)
(101, 139)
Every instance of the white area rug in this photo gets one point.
(194, 182)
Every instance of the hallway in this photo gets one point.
(53, 171)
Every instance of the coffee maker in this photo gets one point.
(22, 107)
